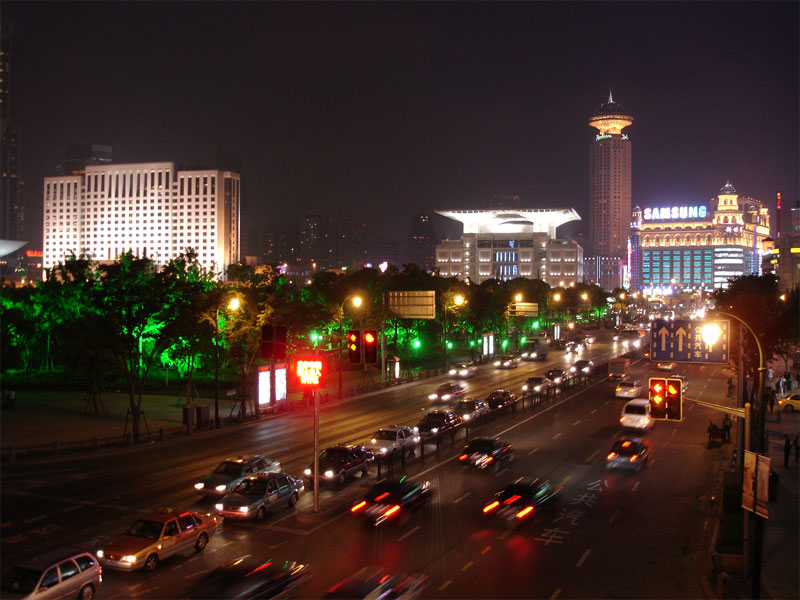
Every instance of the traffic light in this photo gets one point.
(354, 346)
(674, 400)
(279, 349)
(370, 347)
(658, 398)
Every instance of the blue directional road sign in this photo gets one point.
(681, 340)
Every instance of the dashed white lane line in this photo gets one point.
(636, 486)
(583, 558)
(279, 544)
(576, 422)
(555, 594)
(594, 410)
(34, 519)
(559, 434)
(501, 471)
(408, 533)
(460, 498)
(614, 516)
(533, 451)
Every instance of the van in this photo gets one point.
(636, 415)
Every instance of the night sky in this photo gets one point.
(388, 110)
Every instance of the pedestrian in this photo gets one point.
(797, 448)
(726, 428)
(771, 400)
(787, 450)
(770, 374)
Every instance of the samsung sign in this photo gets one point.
(675, 213)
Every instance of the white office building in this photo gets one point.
(146, 208)
(505, 244)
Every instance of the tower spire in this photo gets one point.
(610, 97)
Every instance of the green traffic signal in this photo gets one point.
(416, 343)
(314, 336)
(536, 324)
(472, 343)
(505, 343)
(523, 339)
(449, 345)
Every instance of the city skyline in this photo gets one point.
(391, 110)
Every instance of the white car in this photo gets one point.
(463, 371)
(507, 361)
(636, 415)
(537, 384)
(471, 409)
(628, 389)
(665, 366)
(389, 440)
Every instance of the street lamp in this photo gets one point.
(458, 300)
(233, 304)
(517, 299)
(357, 301)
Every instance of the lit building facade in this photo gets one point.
(149, 209)
(506, 244)
(699, 247)
(422, 242)
(610, 180)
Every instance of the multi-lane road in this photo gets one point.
(612, 534)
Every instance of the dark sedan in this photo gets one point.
(379, 582)
(339, 462)
(437, 421)
(391, 500)
(556, 375)
(250, 577)
(522, 500)
(500, 398)
(627, 453)
(483, 453)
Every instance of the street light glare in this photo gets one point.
(518, 298)
(357, 301)
(710, 333)
(234, 304)
(459, 299)
(557, 297)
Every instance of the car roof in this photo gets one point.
(638, 402)
(51, 557)
(165, 514)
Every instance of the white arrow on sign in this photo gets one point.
(681, 333)
(663, 332)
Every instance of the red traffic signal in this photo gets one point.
(674, 399)
(353, 339)
(370, 347)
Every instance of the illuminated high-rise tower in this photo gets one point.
(610, 180)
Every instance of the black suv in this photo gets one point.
(556, 375)
(500, 398)
(336, 463)
(437, 421)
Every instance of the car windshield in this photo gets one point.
(446, 387)
(234, 469)
(523, 491)
(466, 405)
(388, 491)
(251, 487)
(333, 454)
(634, 410)
(385, 434)
(20, 580)
(625, 447)
(482, 446)
(627, 384)
(150, 530)
(536, 380)
(434, 417)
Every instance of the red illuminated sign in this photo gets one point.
(309, 371)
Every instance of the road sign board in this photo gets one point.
(681, 340)
(524, 309)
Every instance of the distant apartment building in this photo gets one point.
(76, 157)
(422, 242)
(505, 244)
(149, 209)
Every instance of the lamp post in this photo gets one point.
(357, 301)
(710, 334)
(458, 300)
(232, 305)
(517, 298)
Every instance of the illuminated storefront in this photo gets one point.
(698, 247)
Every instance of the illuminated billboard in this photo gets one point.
(675, 213)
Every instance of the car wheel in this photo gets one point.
(201, 542)
(293, 499)
(151, 563)
(340, 478)
(261, 513)
(87, 592)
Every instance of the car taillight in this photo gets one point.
(491, 507)
(381, 497)
(489, 459)
(359, 506)
(392, 510)
(611, 455)
(524, 512)
(622, 419)
(463, 457)
(512, 499)
(634, 457)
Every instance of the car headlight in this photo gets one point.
(464, 373)
(307, 472)
(129, 558)
(416, 429)
(218, 506)
(497, 363)
(466, 417)
(507, 363)
(525, 388)
(446, 397)
(100, 554)
(538, 388)
(221, 488)
(244, 509)
(383, 450)
(435, 430)
(433, 396)
(524, 355)
(199, 486)
(329, 474)
(452, 372)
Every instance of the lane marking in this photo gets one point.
(594, 410)
(555, 594)
(485, 550)
(34, 519)
(614, 516)
(533, 451)
(635, 486)
(559, 434)
(593, 455)
(460, 498)
(408, 533)
(583, 558)
(504, 535)
(445, 585)
(565, 480)
(467, 566)
(501, 471)
(279, 544)
(71, 508)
